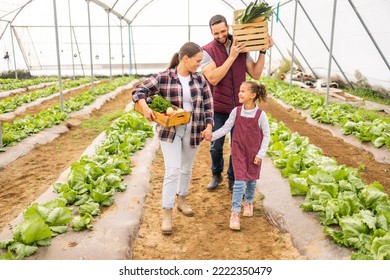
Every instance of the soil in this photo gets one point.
(206, 235)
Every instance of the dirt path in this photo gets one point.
(204, 236)
(207, 235)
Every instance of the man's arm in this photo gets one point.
(215, 74)
(254, 69)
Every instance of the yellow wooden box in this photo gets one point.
(254, 35)
(165, 121)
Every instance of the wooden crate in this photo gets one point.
(165, 121)
(254, 35)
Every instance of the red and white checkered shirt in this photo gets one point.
(167, 85)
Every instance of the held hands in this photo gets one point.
(207, 134)
(257, 160)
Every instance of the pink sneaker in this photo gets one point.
(235, 221)
(248, 210)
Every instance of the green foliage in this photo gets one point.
(361, 213)
(91, 184)
(159, 104)
(255, 10)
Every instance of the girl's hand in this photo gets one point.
(257, 161)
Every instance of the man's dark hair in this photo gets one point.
(217, 19)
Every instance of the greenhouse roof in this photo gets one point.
(143, 34)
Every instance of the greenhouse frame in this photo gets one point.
(117, 37)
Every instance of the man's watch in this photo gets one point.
(263, 52)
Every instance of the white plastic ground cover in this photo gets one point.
(283, 211)
(49, 134)
(381, 155)
(11, 115)
(115, 229)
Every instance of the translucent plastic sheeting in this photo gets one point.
(145, 34)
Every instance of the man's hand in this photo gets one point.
(236, 48)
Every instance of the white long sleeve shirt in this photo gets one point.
(263, 125)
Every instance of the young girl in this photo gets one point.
(249, 145)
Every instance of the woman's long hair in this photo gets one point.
(189, 49)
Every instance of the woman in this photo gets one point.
(184, 87)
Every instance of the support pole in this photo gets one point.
(109, 43)
(71, 39)
(58, 56)
(90, 46)
(13, 51)
(369, 34)
(122, 55)
(270, 49)
(128, 27)
(293, 43)
(326, 46)
(330, 52)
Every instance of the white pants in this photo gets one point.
(179, 158)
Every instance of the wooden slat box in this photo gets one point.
(163, 120)
(254, 35)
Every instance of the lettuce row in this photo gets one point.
(354, 214)
(10, 104)
(22, 128)
(10, 84)
(91, 184)
(365, 126)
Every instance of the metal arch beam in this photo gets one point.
(140, 10)
(130, 7)
(369, 34)
(9, 22)
(110, 10)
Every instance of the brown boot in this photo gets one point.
(183, 206)
(166, 227)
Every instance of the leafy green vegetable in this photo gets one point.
(159, 104)
(255, 10)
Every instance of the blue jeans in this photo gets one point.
(239, 188)
(216, 148)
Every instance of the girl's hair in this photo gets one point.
(189, 49)
(259, 89)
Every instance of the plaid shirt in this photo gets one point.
(167, 84)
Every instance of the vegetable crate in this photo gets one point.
(254, 35)
(165, 121)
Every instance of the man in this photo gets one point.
(225, 64)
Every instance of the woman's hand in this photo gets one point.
(208, 132)
(147, 112)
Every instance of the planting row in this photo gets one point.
(10, 84)
(354, 214)
(366, 126)
(21, 128)
(10, 104)
(90, 185)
